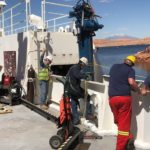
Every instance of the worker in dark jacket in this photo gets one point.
(77, 92)
(44, 77)
(122, 81)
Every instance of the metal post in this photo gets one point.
(82, 23)
(3, 20)
(43, 12)
(29, 8)
(54, 25)
(11, 21)
(34, 28)
(46, 24)
(27, 25)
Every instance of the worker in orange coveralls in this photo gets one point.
(122, 81)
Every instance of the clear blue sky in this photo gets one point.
(131, 17)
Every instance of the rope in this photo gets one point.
(85, 98)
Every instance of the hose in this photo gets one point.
(85, 98)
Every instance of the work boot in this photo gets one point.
(48, 103)
(76, 122)
(130, 145)
(44, 107)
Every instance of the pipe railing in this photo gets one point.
(58, 4)
(9, 21)
(103, 68)
(11, 24)
(52, 24)
(62, 18)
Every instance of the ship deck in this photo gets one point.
(26, 130)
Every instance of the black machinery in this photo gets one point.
(86, 20)
(12, 94)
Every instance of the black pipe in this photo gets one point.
(43, 113)
(73, 142)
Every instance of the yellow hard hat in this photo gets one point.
(131, 58)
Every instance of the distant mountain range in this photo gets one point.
(120, 37)
(121, 41)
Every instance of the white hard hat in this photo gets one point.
(84, 60)
(49, 57)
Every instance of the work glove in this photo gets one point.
(87, 76)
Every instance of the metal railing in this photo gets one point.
(61, 19)
(52, 25)
(16, 18)
(105, 71)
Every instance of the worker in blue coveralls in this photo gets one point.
(75, 76)
(44, 77)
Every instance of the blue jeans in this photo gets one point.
(74, 107)
(43, 91)
(75, 113)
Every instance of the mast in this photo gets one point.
(2, 5)
(86, 25)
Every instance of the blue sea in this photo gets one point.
(108, 56)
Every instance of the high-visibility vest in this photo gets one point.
(44, 74)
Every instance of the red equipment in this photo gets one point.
(6, 80)
(63, 106)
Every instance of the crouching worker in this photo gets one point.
(122, 81)
(74, 76)
(44, 77)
